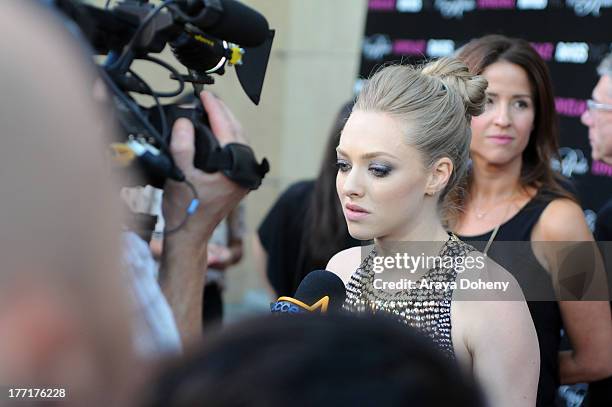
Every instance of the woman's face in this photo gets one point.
(381, 179)
(501, 133)
(599, 122)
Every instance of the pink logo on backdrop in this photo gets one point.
(601, 168)
(544, 49)
(570, 107)
(498, 4)
(383, 5)
(409, 47)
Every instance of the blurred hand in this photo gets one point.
(219, 257)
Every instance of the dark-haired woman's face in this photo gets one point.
(501, 133)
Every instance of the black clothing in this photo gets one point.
(212, 306)
(520, 261)
(600, 392)
(603, 226)
(282, 235)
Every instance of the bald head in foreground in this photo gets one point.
(67, 308)
(63, 303)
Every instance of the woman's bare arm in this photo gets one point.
(588, 324)
(498, 332)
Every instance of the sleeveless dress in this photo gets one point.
(600, 391)
(426, 309)
(520, 261)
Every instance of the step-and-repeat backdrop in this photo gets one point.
(572, 36)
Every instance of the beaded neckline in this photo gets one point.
(366, 266)
(425, 309)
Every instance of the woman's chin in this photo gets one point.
(501, 159)
(360, 233)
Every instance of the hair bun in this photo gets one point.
(456, 76)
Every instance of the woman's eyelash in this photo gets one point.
(342, 165)
(380, 171)
(522, 104)
(376, 170)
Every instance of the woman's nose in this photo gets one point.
(587, 118)
(502, 116)
(352, 185)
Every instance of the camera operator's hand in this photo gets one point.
(217, 194)
(184, 257)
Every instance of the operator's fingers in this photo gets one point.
(182, 144)
(223, 124)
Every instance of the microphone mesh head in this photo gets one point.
(319, 283)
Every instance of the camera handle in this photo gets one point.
(236, 161)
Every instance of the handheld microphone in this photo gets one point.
(322, 289)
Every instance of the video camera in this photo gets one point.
(203, 36)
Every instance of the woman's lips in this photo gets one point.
(500, 139)
(354, 212)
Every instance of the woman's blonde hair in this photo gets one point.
(436, 101)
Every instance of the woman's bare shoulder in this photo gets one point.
(562, 220)
(489, 307)
(483, 279)
(344, 263)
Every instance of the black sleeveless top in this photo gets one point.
(511, 248)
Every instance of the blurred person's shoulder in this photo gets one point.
(296, 194)
(291, 199)
(286, 216)
(298, 190)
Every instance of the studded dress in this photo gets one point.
(427, 309)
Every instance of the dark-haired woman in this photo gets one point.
(514, 195)
(306, 226)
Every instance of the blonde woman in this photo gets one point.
(403, 150)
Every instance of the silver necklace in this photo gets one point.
(481, 214)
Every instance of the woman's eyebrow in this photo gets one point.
(368, 155)
(376, 154)
(518, 95)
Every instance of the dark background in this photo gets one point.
(567, 22)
